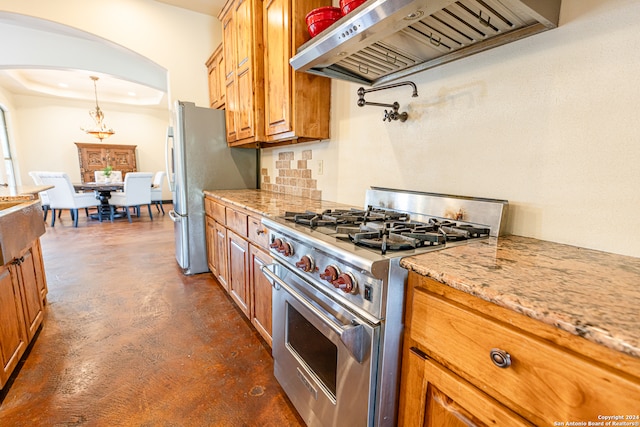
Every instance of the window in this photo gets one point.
(8, 175)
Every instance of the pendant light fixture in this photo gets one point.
(100, 130)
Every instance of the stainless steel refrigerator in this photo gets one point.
(197, 159)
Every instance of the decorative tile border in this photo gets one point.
(295, 181)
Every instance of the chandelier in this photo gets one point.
(100, 130)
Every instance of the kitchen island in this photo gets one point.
(23, 285)
(21, 192)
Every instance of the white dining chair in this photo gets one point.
(63, 196)
(156, 190)
(136, 192)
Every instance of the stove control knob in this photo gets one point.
(306, 263)
(285, 249)
(330, 274)
(346, 283)
(276, 243)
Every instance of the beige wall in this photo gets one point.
(549, 123)
(176, 39)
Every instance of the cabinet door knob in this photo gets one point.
(500, 358)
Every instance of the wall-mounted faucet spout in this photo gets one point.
(388, 115)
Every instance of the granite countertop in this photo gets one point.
(267, 203)
(21, 192)
(593, 294)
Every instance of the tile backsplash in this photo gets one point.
(292, 176)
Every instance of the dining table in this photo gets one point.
(103, 192)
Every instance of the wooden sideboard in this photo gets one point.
(95, 157)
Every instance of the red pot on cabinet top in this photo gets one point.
(348, 5)
(321, 18)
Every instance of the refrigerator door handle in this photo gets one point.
(168, 159)
(174, 216)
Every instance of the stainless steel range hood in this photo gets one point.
(383, 40)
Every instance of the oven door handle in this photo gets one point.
(352, 336)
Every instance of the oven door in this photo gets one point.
(324, 355)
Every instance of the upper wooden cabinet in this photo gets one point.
(95, 157)
(215, 68)
(296, 104)
(244, 80)
(266, 101)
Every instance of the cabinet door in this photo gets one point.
(260, 293)
(13, 336)
(230, 84)
(210, 237)
(122, 159)
(432, 396)
(244, 71)
(239, 270)
(41, 277)
(277, 47)
(221, 256)
(30, 290)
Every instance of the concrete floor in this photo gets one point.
(129, 341)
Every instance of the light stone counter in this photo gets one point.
(267, 203)
(593, 294)
(23, 192)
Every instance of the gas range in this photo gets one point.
(346, 264)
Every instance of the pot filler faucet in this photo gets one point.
(388, 114)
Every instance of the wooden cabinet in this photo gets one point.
(238, 245)
(41, 278)
(266, 101)
(239, 271)
(260, 293)
(210, 237)
(21, 306)
(13, 334)
(95, 157)
(465, 358)
(244, 82)
(296, 104)
(215, 69)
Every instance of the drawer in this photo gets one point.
(544, 382)
(258, 233)
(237, 221)
(215, 210)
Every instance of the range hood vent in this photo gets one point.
(384, 40)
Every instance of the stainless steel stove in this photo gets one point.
(338, 296)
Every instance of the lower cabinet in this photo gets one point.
(239, 271)
(237, 249)
(468, 362)
(260, 293)
(21, 306)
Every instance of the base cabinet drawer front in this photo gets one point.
(436, 397)
(237, 221)
(539, 380)
(258, 233)
(215, 210)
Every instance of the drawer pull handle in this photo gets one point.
(500, 358)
